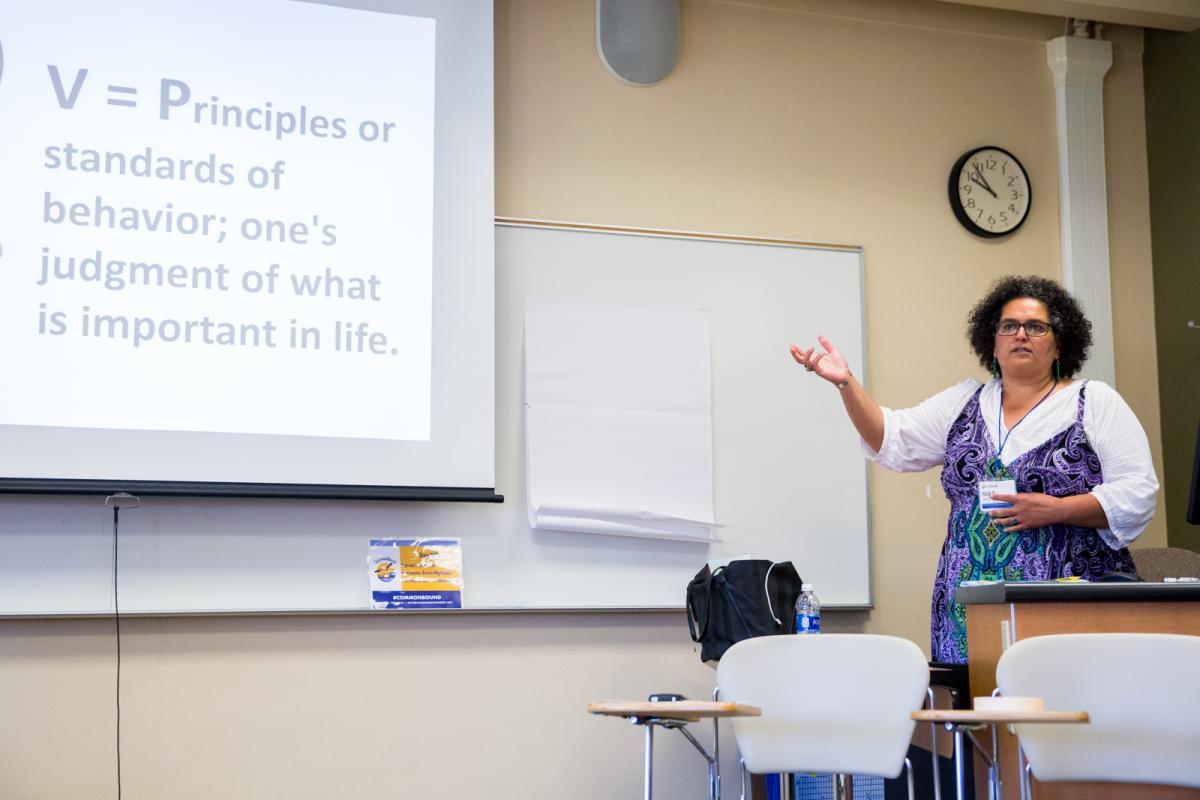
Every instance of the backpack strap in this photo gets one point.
(699, 627)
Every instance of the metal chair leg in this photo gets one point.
(648, 780)
(742, 764)
(714, 772)
(1023, 773)
(908, 769)
(959, 761)
(933, 749)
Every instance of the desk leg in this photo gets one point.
(1023, 774)
(648, 793)
(714, 769)
(959, 768)
(994, 789)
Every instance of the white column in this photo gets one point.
(1079, 66)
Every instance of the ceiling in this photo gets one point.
(1172, 15)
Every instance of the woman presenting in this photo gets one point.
(1047, 477)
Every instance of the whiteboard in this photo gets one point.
(790, 480)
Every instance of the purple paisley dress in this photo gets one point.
(975, 549)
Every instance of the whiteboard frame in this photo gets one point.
(862, 377)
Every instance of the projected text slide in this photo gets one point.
(216, 217)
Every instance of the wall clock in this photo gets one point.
(989, 191)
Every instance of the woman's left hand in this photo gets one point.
(1030, 511)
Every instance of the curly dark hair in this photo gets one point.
(1072, 330)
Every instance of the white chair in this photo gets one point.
(836, 703)
(1140, 690)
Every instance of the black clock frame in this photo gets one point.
(960, 213)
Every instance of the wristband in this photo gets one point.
(843, 384)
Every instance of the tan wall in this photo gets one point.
(806, 119)
(781, 121)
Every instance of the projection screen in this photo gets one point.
(246, 248)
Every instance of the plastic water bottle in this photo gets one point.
(808, 610)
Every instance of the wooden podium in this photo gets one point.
(999, 614)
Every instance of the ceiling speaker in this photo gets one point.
(638, 40)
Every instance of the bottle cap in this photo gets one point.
(806, 587)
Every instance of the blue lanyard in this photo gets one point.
(1000, 416)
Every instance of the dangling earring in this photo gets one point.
(1057, 371)
(995, 368)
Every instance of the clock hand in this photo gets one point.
(979, 175)
(983, 185)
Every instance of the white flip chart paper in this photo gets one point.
(618, 412)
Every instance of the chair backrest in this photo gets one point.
(1141, 690)
(830, 703)
(1156, 563)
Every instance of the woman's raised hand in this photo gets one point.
(864, 412)
(830, 365)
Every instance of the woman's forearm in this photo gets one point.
(864, 413)
(1084, 511)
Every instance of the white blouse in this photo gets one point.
(914, 439)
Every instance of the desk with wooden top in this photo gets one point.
(999, 614)
(676, 714)
(962, 721)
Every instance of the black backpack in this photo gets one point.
(747, 597)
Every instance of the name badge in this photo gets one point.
(989, 488)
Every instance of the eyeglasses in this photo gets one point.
(1034, 328)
